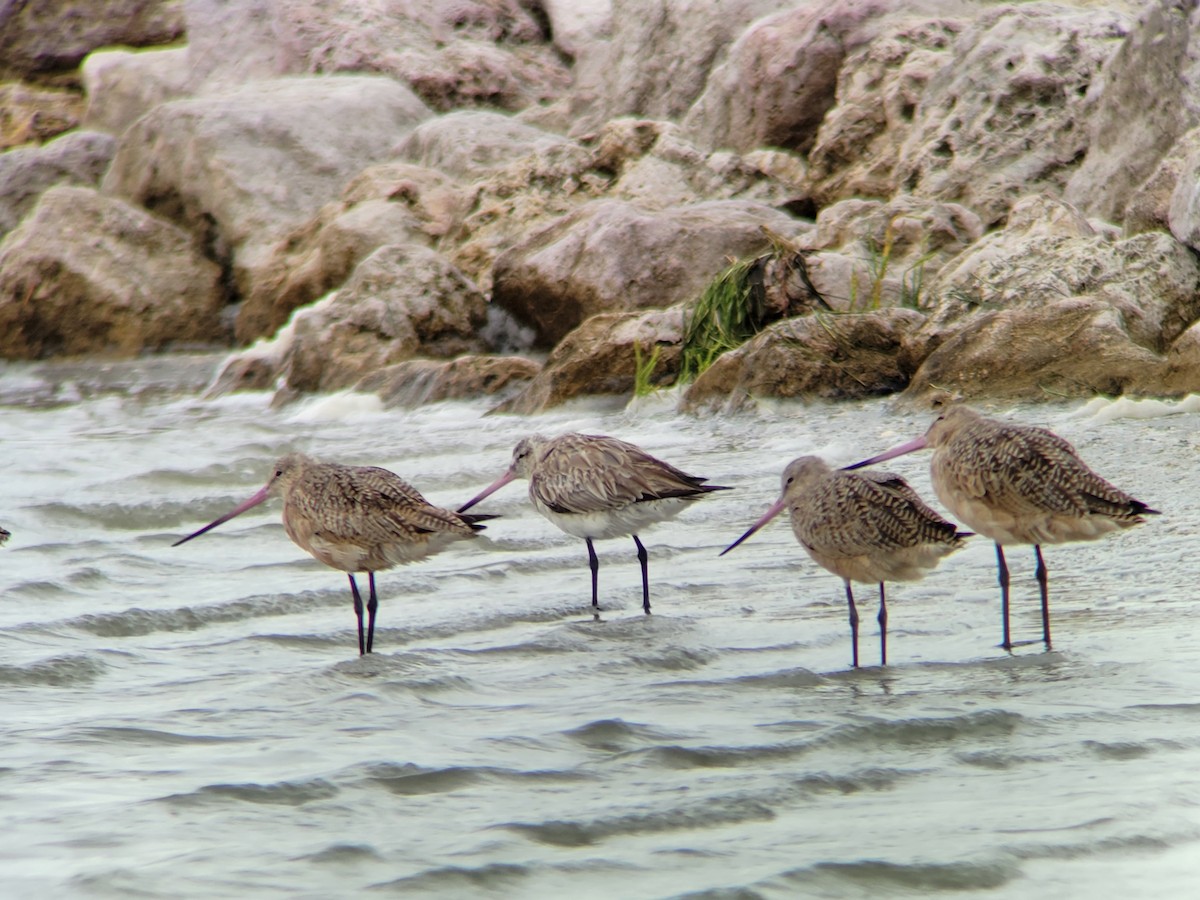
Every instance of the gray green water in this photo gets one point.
(195, 721)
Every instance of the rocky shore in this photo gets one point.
(529, 198)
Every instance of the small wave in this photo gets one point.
(784, 678)
(498, 878)
(342, 853)
(149, 736)
(59, 671)
(282, 793)
(1119, 749)
(410, 779)
(1123, 844)
(882, 876)
(921, 732)
(613, 735)
(135, 622)
(712, 813)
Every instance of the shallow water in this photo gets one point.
(195, 721)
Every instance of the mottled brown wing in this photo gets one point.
(357, 503)
(580, 473)
(1026, 470)
(853, 514)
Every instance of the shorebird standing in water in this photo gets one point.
(1018, 484)
(357, 519)
(870, 527)
(596, 487)
(4, 535)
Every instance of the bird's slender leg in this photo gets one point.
(883, 617)
(1043, 580)
(1003, 573)
(643, 558)
(594, 565)
(853, 623)
(358, 609)
(372, 605)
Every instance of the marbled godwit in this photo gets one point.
(597, 487)
(357, 519)
(1018, 484)
(870, 528)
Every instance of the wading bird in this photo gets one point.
(357, 519)
(1018, 484)
(596, 487)
(870, 527)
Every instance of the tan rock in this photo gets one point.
(818, 356)
(1182, 373)
(402, 301)
(600, 357)
(52, 36)
(78, 157)
(1068, 348)
(34, 114)
(85, 273)
(1050, 252)
(1149, 206)
(419, 381)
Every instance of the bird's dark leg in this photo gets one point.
(882, 626)
(372, 605)
(358, 609)
(594, 565)
(1003, 573)
(1043, 580)
(643, 558)
(853, 623)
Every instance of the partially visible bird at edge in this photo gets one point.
(596, 487)
(1018, 484)
(870, 527)
(356, 519)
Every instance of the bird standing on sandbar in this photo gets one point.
(357, 519)
(1018, 484)
(870, 527)
(596, 487)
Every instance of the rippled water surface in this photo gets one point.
(195, 721)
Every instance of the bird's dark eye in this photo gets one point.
(279, 473)
(790, 480)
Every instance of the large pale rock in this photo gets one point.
(242, 168)
(1147, 96)
(464, 53)
(1067, 348)
(577, 24)
(879, 90)
(47, 36)
(780, 76)
(819, 356)
(78, 157)
(612, 256)
(659, 57)
(1050, 252)
(122, 86)
(389, 203)
(400, 302)
(32, 114)
(415, 382)
(1006, 116)
(85, 273)
(471, 143)
(600, 357)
